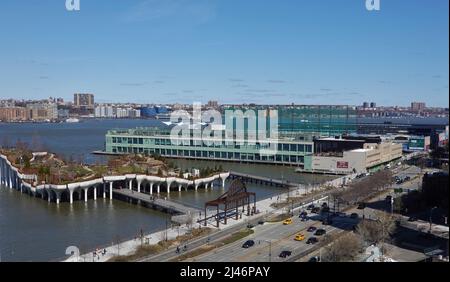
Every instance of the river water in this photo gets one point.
(33, 230)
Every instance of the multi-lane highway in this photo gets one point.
(273, 238)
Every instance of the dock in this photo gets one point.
(167, 206)
(244, 177)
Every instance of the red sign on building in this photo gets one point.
(342, 164)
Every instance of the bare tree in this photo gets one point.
(189, 221)
(164, 235)
(345, 248)
(364, 188)
(368, 229)
(378, 230)
(117, 239)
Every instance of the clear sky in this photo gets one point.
(233, 51)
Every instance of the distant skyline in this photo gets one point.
(233, 51)
(70, 99)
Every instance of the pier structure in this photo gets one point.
(262, 180)
(104, 187)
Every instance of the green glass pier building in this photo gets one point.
(298, 126)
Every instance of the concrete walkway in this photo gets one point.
(128, 247)
(152, 200)
(263, 207)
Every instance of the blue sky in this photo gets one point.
(234, 51)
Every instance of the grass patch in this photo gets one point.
(302, 198)
(289, 202)
(207, 248)
(279, 217)
(149, 250)
(237, 236)
(199, 251)
(143, 251)
(194, 234)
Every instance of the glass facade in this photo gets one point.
(314, 120)
(153, 142)
(297, 125)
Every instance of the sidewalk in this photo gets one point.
(129, 247)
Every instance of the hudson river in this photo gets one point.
(31, 229)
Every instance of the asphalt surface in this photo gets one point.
(282, 238)
(219, 234)
(273, 238)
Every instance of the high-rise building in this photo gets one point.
(365, 105)
(83, 101)
(212, 105)
(418, 106)
(373, 105)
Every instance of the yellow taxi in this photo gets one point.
(287, 221)
(299, 237)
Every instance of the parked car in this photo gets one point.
(326, 209)
(360, 175)
(312, 229)
(361, 206)
(250, 226)
(314, 259)
(312, 240)
(320, 232)
(285, 254)
(310, 207)
(354, 216)
(299, 237)
(261, 222)
(303, 214)
(248, 244)
(327, 221)
(287, 221)
(315, 210)
(412, 219)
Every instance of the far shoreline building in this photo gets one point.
(83, 101)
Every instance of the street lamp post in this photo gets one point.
(165, 232)
(431, 218)
(392, 204)
(270, 249)
(292, 207)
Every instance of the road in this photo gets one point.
(220, 234)
(282, 238)
(273, 238)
